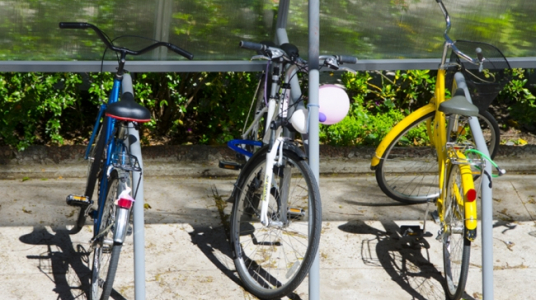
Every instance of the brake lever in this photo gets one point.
(260, 57)
(331, 62)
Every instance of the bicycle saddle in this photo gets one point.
(459, 105)
(290, 49)
(128, 110)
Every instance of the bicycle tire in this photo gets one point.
(106, 252)
(490, 130)
(456, 246)
(95, 158)
(262, 255)
(408, 169)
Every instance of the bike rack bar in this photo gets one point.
(314, 148)
(138, 215)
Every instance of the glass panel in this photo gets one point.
(211, 29)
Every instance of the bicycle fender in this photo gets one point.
(396, 130)
(471, 218)
(296, 149)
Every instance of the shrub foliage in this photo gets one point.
(210, 108)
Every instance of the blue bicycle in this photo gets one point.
(115, 167)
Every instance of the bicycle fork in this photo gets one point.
(271, 161)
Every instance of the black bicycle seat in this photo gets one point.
(128, 110)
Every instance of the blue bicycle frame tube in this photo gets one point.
(95, 129)
(233, 145)
(103, 187)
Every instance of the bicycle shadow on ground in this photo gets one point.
(213, 242)
(405, 258)
(65, 264)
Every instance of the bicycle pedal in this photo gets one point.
(414, 230)
(229, 165)
(295, 213)
(80, 201)
(410, 230)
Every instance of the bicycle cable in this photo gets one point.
(501, 171)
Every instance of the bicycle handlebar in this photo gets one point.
(262, 47)
(109, 44)
(449, 40)
(347, 59)
(253, 46)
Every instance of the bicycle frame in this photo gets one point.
(109, 124)
(437, 133)
(439, 138)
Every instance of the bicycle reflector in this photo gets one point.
(471, 195)
(125, 200)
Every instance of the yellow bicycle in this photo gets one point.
(446, 171)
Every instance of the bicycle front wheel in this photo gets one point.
(273, 260)
(408, 169)
(106, 252)
(456, 247)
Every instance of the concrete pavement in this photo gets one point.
(362, 256)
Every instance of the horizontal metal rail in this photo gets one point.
(223, 66)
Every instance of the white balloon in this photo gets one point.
(334, 103)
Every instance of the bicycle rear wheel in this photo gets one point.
(106, 251)
(408, 169)
(273, 260)
(95, 159)
(456, 247)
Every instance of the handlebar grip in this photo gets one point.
(73, 25)
(348, 59)
(252, 46)
(180, 51)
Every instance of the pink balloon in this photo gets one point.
(334, 103)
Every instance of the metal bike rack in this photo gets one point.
(138, 222)
(314, 80)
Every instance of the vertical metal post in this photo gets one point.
(162, 23)
(487, 203)
(138, 215)
(487, 216)
(314, 81)
(282, 16)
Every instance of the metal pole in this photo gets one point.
(486, 203)
(314, 81)
(138, 215)
(487, 216)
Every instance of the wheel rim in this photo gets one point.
(454, 229)
(409, 171)
(103, 247)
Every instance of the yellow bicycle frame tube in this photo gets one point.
(411, 118)
(397, 129)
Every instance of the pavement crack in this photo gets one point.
(221, 204)
(521, 199)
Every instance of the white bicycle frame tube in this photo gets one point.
(277, 148)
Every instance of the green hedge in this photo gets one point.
(210, 108)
